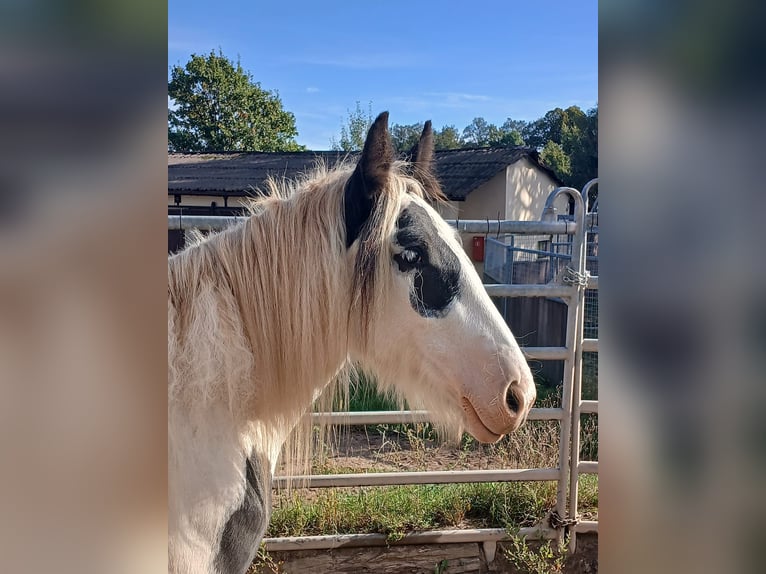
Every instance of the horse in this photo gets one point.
(349, 265)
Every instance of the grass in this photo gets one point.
(544, 434)
(534, 445)
(364, 396)
(395, 510)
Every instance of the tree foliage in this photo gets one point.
(505, 138)
(480, 133)
(404, 137)
(447, 138)
(511, 125)
(218, 107)
(554, 157)
(576, 132)
(354, 131)
(580, 142)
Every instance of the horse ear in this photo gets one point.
(369, 178)
(422, 155)
(423, 152)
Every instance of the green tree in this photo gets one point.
(479, 133)
(579, 138)
(511, 125)
(510, 133)
(555, 158)
(505, 138)
(218, 107)
(404, 137)
(558, 125)
(575, 132)
(547, 128)
(447, 138)
(354, 131)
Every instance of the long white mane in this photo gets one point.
(263, 308)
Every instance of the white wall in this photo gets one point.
(486, 201)
(527, 188)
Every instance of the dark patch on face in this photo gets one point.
(245, 528)
(435, 268)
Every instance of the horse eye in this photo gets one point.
(408, 259)
(411, 256)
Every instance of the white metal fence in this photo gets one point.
(570, 285)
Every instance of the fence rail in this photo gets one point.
(434, 537)
(407, 477)
(405, 417)
(572, 406)
(475, 226)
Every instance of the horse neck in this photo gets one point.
(294, 290)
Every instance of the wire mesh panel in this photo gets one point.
(527, 259)
(585, 413)
(590, 323)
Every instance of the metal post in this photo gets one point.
(508, 276)
(586, 192)
(570, 363)
(577, 387)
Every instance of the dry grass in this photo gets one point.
(418, 447)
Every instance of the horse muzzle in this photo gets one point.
(500, 402)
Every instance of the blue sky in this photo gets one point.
(444, 61)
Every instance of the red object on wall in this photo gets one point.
(478, 248)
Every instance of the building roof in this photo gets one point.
(459, 171)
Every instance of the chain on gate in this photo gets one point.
(556, 521)
(576, 278)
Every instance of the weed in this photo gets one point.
(545, 559)
(264, 563)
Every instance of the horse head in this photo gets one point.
(425, 325)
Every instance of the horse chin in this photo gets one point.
(475, 427)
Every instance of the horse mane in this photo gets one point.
(267, 301)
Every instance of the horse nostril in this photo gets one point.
(511, 400)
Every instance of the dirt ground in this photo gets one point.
(389, 448)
